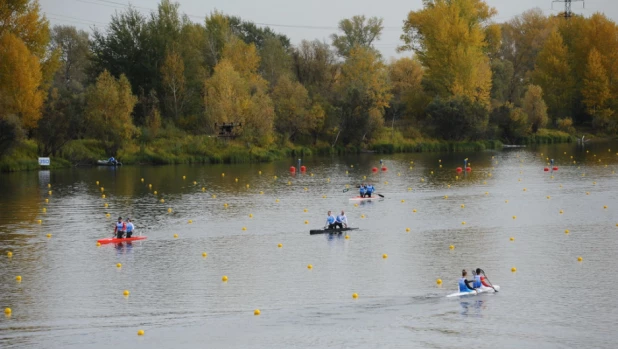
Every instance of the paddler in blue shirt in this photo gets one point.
(370, 190)
(130, 228)
(464, 284)
(362, 190)
(330, 221)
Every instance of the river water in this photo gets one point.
(71, 293)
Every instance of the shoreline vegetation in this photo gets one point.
(166, 88)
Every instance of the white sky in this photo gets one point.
(312, 19)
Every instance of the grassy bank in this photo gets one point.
(209, 150)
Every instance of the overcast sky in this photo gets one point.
(312, 19)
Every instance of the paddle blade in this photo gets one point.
(380, 195)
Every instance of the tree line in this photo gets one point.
(163, 75)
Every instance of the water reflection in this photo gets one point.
(472, 308)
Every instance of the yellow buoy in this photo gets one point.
(513, 269)
(190, 221)
(45, 210)
(280, 245)
(462, 206)
(224, 278)
(407, 230)
(347, 237)
(323, 196)
(277, 200)
(305, 210)
(409, 189)
(102, 189)
(225, 205)
(149, 186)
(18, 278)
(155, 192)
(561, 212)
(118, 265)
(169, 210)
(256, 312)
(506, 201)
(594, 183)
(439, 281)
(9, 254)
(108, 215)
(355, 295)
(39, 221)
(309, 266)
(604, 206)
(512, 239)
(103, 196)
(445, 196)
(48, 185)
(306, 222)
(362, 216)
(384, 256)
(175, 236)
(452, 247)
(46, 201)
(142, 179)
(162, 201)
(566, 231)
(548, 197)
(514, 217)
(414, 210)
(306, 189)
(49, 192)
(223, 175)
(98, 244)
(105, 205)
(463, 223)
(403, 201)
(184, 177)
(275, 177)
(97, 182)
(140, 332)
(236, 180)
(214, 196)
(261, 193)
(7, 311)
(355, 205)
(49, 236)
(289, 183)
(125, 293)
(244, 228)
(203, 189)
(194, 182)
(204, 254)
(525, 189)
(250, 215)
(579, 259)
(259, 172)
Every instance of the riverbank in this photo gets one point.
(210, 150)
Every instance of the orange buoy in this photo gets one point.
(375, 169)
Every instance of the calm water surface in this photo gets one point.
(71, 294)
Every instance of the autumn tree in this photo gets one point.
(109, 104)
(275, 61)
(409, 99)
(553, 75)
(20, 80)
(293, 109)
(535, 108)
(458, 118)
(315, 66)
(173, 80)
(357, 32)
(449, 39)
(363, 94)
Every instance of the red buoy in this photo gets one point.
(384, 169)
(292, 169)
(303, 169)
(546, 169)
(458, 169)
(468, 169)
(556, 168)
(375, 169)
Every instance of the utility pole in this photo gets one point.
(567, 6)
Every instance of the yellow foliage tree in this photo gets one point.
(450, 39)
(20, 79)
(596, 89)
(230, 97)
(553, 74)
(292, 108)
(109, 104)
(173, 80)
(409, 98)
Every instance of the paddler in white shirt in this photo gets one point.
(341, 221)
(120, 228)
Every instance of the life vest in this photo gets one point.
(370, 189)
(119, 226)
(129, 227)
(462, 285)
(330, 219)
(477, 281)
(340, 219)
(362, 190)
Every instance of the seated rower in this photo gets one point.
(464, 284)
(330, 221)
(362, 190)
(480, 280)
(120, 228)
(341, 221)
(111, 160)
(370, 190)
(130, 228)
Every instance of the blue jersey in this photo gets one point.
(330, 220)
(462, 285)
(129, 227)
(370, 189)
(477, 281)
(362, 190)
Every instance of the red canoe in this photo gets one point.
(116, 240)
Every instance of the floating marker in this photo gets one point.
(579, 259)
(18, 278)
(512, 239)
(384, 256)
(407, 230)
(140, 332)
(452, 247)
(204, 254)
(7, 311)
(118, 265)
(175, 236)
(190, 221)
(513, 269)
(154, 192)
(256, 312)
(224, 278)
(126, 293)
(439, 281)
(354, 295)
(279, 245)
(309, 266)
(49, 236)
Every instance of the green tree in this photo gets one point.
(73, 47)
(62, 120)
(357, 32)
(109, 104)
(535, 108)
(409, 99)
(553, 75)
(173, 80)
(458, 118)
(449, 39)
(363, 94)
(293, 109)
(275, 62)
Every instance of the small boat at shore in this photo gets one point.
(108, 163)
(330, 231)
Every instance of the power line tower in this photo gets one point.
(567, 6)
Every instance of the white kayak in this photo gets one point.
(358, 198)
(477, 291)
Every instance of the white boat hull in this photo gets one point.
(358, 198)
(476, 292)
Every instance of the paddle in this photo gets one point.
(490, 284)
(380, 195)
